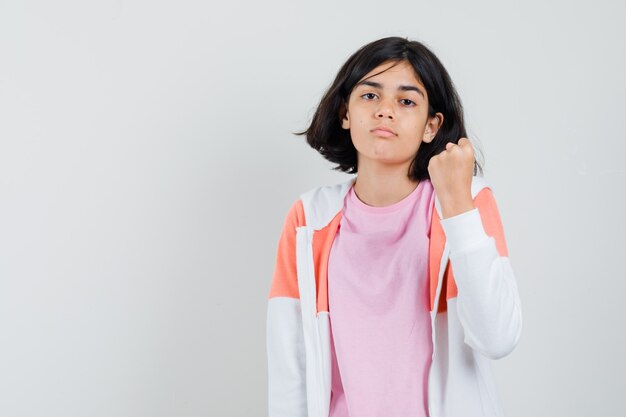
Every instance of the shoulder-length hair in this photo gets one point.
(326, 135)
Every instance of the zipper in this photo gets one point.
(442, 270)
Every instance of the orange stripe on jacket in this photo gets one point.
(490, 217)
(322, 244)
(285, 280)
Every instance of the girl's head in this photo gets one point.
(396, 84)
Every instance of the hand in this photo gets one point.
(451, 174)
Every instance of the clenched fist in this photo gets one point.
(451, 174)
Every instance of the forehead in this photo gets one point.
(393, 72)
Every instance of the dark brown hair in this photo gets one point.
(326, 135)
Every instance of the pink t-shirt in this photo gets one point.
(381, 342)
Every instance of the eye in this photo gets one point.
(407, 102)
(369, 96)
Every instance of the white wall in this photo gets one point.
(146, 165)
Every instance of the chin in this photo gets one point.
(384, 152)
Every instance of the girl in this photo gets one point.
(392, 291)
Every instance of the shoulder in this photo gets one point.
(295, 216)
(478, 184)
(485, 203)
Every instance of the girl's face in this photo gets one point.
(387, 115)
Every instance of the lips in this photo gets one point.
(383, 131)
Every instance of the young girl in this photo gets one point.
(392, 291)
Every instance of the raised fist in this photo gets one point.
(451, 174)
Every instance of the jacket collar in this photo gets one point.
(322, 204)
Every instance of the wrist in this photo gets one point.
(456, 206)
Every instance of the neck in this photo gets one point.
(378, 186)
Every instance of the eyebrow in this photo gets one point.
(400, 88)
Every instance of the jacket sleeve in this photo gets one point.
(285, 337)
(488, 303)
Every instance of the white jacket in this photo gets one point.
(477, 319)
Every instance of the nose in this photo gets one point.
(384, 110)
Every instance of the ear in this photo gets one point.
(432, 127)
(345, 121)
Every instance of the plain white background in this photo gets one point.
(147, 164)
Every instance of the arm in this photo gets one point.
(488, 302)
(285, 337)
